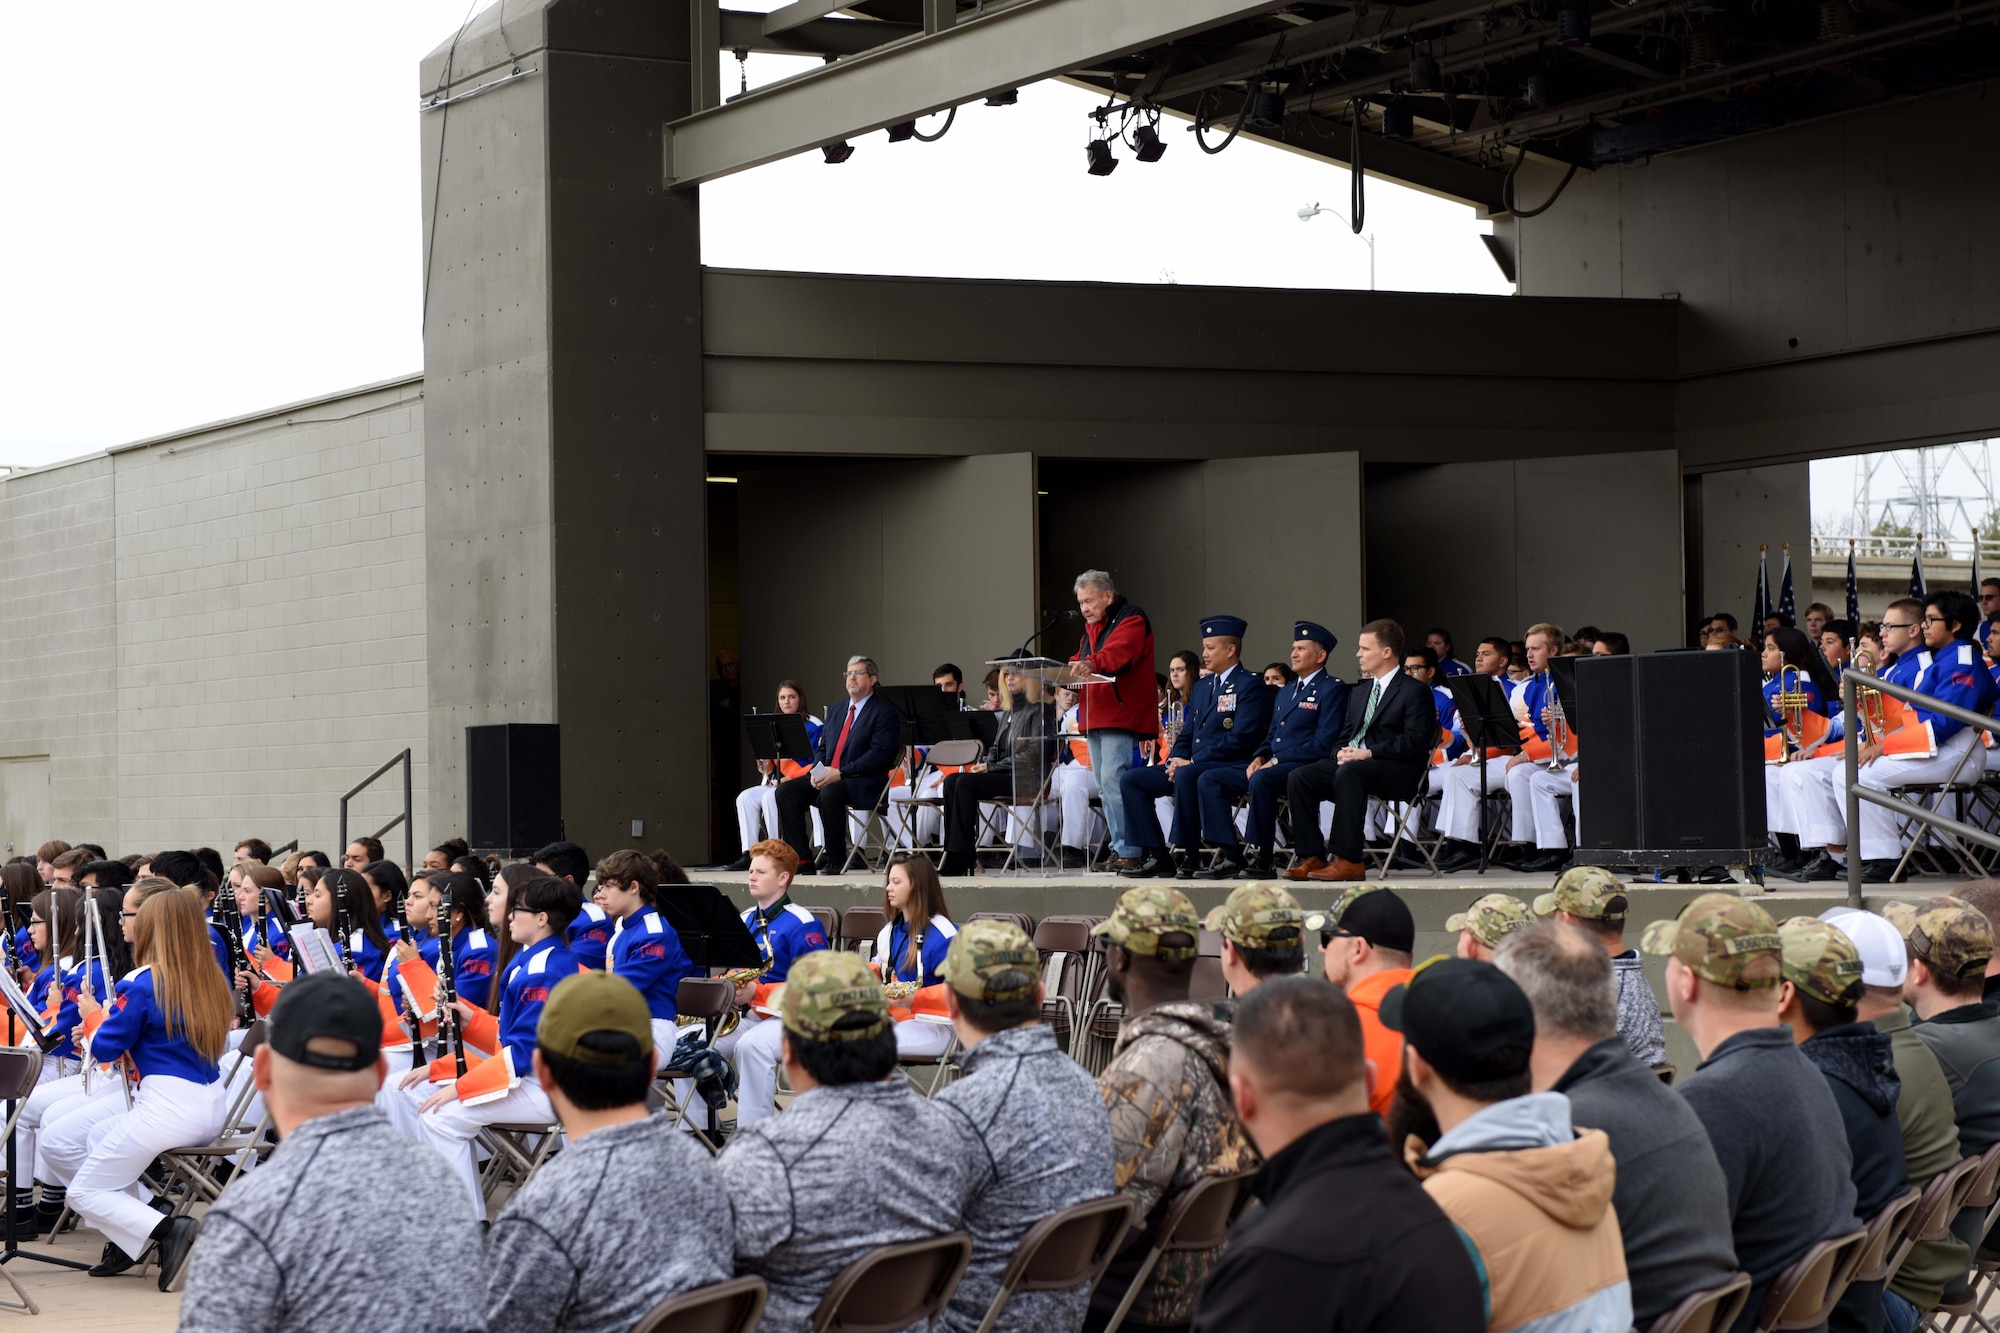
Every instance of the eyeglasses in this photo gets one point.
(1936, 620)
(522, 911)
(1889, 624)
(124, 915)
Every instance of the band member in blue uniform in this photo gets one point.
(1305, 728)
(1228, 715)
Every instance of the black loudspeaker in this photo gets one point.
(1672, 751)
(513, 787)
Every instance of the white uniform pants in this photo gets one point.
(453, 1128)
(754, 1048)
(1807, 788)
(50, 1100)
(166, 1112)
(921, 1039)
(757, 817)
(1458, 809)
(913, 825)
(1539, 787)
(1072, 787)
(1880, 840)
(1779, 815)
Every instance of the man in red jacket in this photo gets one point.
(1115, 718)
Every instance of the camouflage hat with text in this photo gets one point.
(1590, 892)
(986, 952)
(1723, 939)
(1820, 960)
(1146, 913)
(1952, 937)
(1259, 916)
(829, 985)
(1490, 919)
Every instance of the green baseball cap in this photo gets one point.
(1146, 913)
(595, 1002)
(1820, 960)
(1953, 937)
(826, 986)
(1258, 916)
(1723, 939)
(982, 953)
(1490, 918)
(1590, 892)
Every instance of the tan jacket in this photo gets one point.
(1540, 1216)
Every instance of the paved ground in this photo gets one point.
(71, 1300)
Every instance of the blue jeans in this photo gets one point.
(1110, 756)
(1902, 1316)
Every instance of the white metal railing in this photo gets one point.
(1905, 548)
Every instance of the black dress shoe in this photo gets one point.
(954, 863)
(806, 868)
(1819, 866)
(115, 1261)
(1153, 864)
(173, 1249)
(1259, 864)
(1073, 858)
(1456, 854)
(1407, 857)
(1228, 865)
(46, 1217)
(1185, 864)
(739, 865)
(1880, 872)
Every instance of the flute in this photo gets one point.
(449, 1033)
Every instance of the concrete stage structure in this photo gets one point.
(1771, 249)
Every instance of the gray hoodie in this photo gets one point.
(1638, 1009)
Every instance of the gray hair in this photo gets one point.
(1566, 976)
(1095, 578)
(866, 664)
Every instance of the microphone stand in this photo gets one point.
(1054, 618)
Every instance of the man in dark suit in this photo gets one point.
(1227, 718)
(857, 748)
(1385, 745)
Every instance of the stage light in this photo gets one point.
(902, 130)
(1572, 25)
(1424, 73)
(1102, 163)
(1004, 98)
(1398, 121)
(1267, 110)
(836, 153)
(1149, 146)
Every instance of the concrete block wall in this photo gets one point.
(216, 633)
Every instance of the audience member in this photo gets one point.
(586, 1246)
(1817, 1001)
(1263, 936)
(1530, 1193)
(293, 1245)
(1594, 898)
(1669, 1194)
(1345, 1240)
(1985, 895)
(1043, 1134)
(1482, 926)
(1950, 943)
(1770, 1116)
(857, 748)
(1364, 948)
(1167, 1091)
(856, 1161)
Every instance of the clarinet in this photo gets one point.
(343, 923)
(449, 1034)
(230, 918)
(409, 937)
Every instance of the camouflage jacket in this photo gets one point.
(1167, 1090)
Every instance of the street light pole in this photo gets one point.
(1308, 214)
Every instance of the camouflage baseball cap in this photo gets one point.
(826, 986)
(1820, 960)
(1490, 918)
(1723, 939)
(1258, 916)
(1952, 936)
(1901, 915)
(1146, 913)
(1590, 892)
(983, 952)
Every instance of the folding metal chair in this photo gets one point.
(944, 754)
(1706, 1311)
(20, 1073)
(734, 1306)
(997, 817)
(859, 929)
(895, 1286)
(1929, 841)
(1021, 919)
(515, 1152)
(1063, 942)
(874, 819)
(1063, 1251)
(1198, 1220)
(829, 920)
(706, 999)
(196, 1168)
(1805, 1293)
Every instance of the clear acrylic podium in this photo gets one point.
(1031, 826)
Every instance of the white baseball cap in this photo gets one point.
(1884, 959)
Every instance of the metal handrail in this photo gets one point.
(405, 819)
(277, 852)
(1856, 793)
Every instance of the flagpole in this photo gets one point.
(1853, 598)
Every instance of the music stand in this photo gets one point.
(711, 931)
(31, 1023)
(1488, 722)
(1562, 671)
(974, 725)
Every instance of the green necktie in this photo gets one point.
(1374, 697)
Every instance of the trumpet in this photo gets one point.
(1789, 705)
(1559, 733)
(1171, 731)
(1868, 710)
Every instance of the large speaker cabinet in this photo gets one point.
(513, 787)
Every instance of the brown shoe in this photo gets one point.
(1305, 869)
(1339, 870)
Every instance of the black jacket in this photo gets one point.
(873, 742)
(1405, 727)
(1860, 1067)
(1346, 1240)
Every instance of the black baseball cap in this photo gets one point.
(1371, 913)
(326, 1004)
(1467, 1019)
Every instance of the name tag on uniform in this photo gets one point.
(1225, 703)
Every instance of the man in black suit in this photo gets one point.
(1385, 744)
(857, 748)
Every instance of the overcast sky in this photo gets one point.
(214, 208)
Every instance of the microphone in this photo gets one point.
(1049, 621)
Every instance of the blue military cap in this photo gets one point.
(1320, 634)
(1225, 626)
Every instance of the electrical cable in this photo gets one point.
(444, 123)
(1507, 188)
(949, 116)
(1242, 115)
(1357, 190)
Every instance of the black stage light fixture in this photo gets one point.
(1006, 97)
(1148, 145)
(1424, 73)
(836, 153)
(1572, 25)
(1102, 163)
(1398, 121)
(1267, 110)
(902, 130)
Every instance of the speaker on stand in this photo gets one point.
(513, 787)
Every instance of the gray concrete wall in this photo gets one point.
(1739, 510)
(1571, 541)
(216, 633)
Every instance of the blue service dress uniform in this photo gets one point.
(1227, 718)
(1305, 728)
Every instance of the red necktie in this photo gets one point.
(840, 744)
